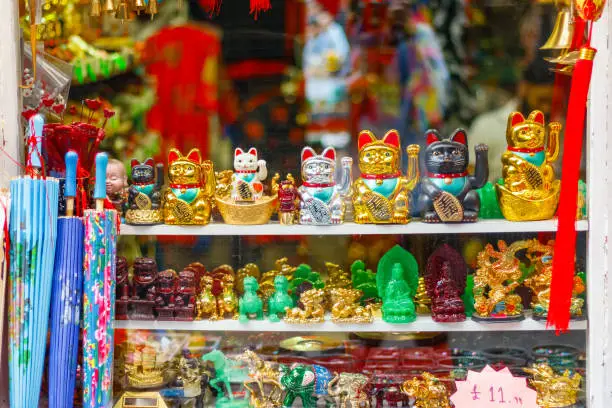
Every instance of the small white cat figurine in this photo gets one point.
(248, 175)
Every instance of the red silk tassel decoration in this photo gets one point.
(258, 6)
(212, 7)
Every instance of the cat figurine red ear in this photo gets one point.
(238, 151)
(194, 156)
(134, 162)
(515, 118)
(253, 151)
(537, 117)
(149, 162)
(432, 136)
(392, 138)
(173, 156)
(307, 153)
(365, 137)
(459, 136)
(329, 153)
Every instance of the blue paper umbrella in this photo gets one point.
(99, 295)
(66, 298)
(33, 232)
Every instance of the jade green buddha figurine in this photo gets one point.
(397, 280)
(250, 305)
(280, 299)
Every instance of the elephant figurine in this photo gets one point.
(304, 381)
(349, 390)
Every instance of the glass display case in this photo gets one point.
(326, 203)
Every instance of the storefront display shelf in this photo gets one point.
(274, 228)
(422, 324)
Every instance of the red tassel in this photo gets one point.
(211, 6)
(259, 5)
(565, 246)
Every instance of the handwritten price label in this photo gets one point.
(493, 389)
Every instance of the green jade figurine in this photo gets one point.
(250, 305)
(397, 280)
(223, 370)
(280, 299)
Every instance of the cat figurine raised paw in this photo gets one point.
(144, 194)
(381, 195)
(321, 199)
(448, 192)
(249, 173)
(188, 199)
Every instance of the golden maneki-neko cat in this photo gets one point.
(188, 199)
(529, 190)
(381, 193)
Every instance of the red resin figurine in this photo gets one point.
(144, 289)
(122, 289)
(185, 296)
(166, 289)
(287, 197)
(445, 280)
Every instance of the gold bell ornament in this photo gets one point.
(138, 6)
(109, 6)
(563, 30)
(152, 8)
(96, 8)
(123, 11)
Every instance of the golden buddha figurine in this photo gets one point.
(187, 201)
(554, 390)
(428, 391)
(381, 194)
(529, 190)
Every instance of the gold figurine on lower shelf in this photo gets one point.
(428, 391)
(554, 390)
(264, 388)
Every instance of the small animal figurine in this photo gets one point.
(144, 289)
(263, 383)
(529, 190)
(224, 371)
(166, 291)
(287, 201)
(350, 390)
(187, 201)
(122, 289)
(346, 309)
(144, 194)
(280, 299)
(249, 173)
(381, 195)
(206, 303)
(448, 193)
(250, 305)
(311, 308)
(185, 296)
(321, 200)
(227, 302)
(554, 390)
(428, 391)
(304, 382)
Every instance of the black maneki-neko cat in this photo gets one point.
(448, 193)
(144, 194)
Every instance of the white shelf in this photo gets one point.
(415, 227)
(422, 324)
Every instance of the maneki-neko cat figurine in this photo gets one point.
(144, 194)
(240, 194)
(529, 190)
(322, 201)
(448, 192)
(187, 201)
(381, 195)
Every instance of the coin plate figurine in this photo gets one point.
(187, 201)
(144, 194)
(448, 192)
(381, 195)
(250, 305)
(529, 190)
(321, 199)
(497, 275)
(554, 390)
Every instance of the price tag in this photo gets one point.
(493, 389)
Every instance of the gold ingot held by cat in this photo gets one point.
(144, 217)
(526, 207)
(251, 213)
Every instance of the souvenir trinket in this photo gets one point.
(304, 382)
(349, 390)
(240, 194)
(166, 289)
(147, 399)
(554, 390)
(227, 302)
(321, 199)
(497, 275)
(116, 184)
(184, 307)
(304, 278)
(250, 305)
(143, 369)
(144, 194)
(448, 193)
(287, 201)
(122, 289)
(281, 267)
(268, 393)
(280, 299)
(337, 277)
(397, 279)
(206, 303)
(249, 269)
(187, 201)
(428, 392)
(364, 280)
(310, 308)
(144, 286)
(421, 299)
(186, 386)
(381, 195)
(445, 280)
(529, 190)
(221, 381)
(346, 307)
(539, 280)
